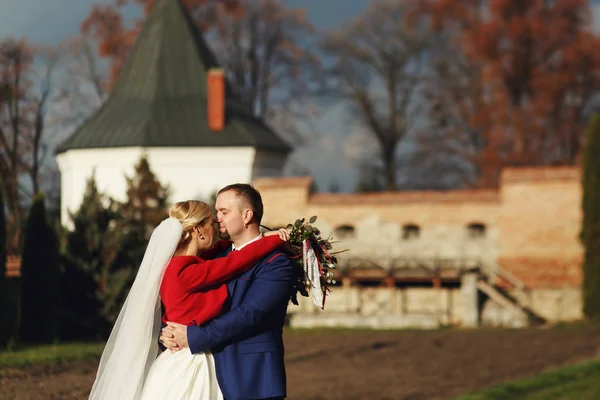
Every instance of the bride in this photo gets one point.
(193, 291)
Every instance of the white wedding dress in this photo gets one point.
(129, 368)
(182, 376)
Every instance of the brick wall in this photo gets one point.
(532, 222)
(539, 226)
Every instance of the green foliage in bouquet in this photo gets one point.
(301, 231)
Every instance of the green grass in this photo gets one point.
(51, 354)
(577, 382)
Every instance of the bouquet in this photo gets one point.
(314, 261)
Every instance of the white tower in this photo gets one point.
(158, 108)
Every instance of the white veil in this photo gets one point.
(133, 342)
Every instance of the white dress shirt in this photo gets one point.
(246, 244)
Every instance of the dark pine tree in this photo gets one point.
(6, 328)
(145, 208)
(590, 232)
(86, 260)
(147, 198)
(40, 296)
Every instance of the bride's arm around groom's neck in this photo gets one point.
(271, 287)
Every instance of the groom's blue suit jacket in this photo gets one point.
(247, 340)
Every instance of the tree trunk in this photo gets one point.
(389, 166)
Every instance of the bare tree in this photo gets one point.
(15, 63)
(40, 103)
(453, 137)
(378, 64)
(266, 50)
(24, 108)
(83, 80)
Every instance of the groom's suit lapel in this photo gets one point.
(231, 285)
(243, 279)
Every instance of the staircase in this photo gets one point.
(505, 309)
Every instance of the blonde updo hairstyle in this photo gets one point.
(190, 213)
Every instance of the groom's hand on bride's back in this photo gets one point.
(174, 336)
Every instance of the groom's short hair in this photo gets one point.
(250, 195)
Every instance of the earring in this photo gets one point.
(201, 237)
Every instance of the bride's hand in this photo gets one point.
(174, 336)
(284, 234)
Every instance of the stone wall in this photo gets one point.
(555, 305)
(381, 308)
(530, 224)
(525, 241)
(376, 226)
(426, 308)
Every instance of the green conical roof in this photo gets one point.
(159, 98)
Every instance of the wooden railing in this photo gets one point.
(510, 278)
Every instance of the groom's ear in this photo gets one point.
(248, 214)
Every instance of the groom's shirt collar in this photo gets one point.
(242, 246)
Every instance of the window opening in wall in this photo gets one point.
(410, 232)
(344, 232)
(476, 230)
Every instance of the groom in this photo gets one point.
(246, 341)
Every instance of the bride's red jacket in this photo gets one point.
(194, 290)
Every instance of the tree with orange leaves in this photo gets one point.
(532, 69)
(107, 26)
